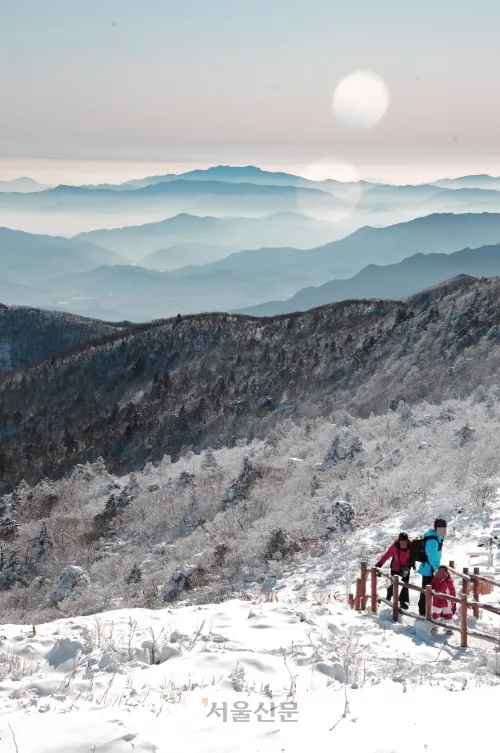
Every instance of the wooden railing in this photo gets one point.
(360, 600)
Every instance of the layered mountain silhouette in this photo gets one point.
(232, 233)
(435, 233)
(184, 254)
(85, 278)
(21, 185)
(231, 174)
(33, 259)
(394, 281)
(226, 191)
(283, 197)
(470, 181)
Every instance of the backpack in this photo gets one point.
(417, 548)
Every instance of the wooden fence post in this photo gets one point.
(395, 598)
(428, 602)
(465, 582)
(350, 601)
(374, 590)
(463, 620)
(364, 581)
(475, 590)
(357, 599)
(452, 564)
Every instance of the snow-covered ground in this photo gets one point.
(138, 679)
(335, 678)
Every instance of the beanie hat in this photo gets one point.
(439, 523)
(403, 537)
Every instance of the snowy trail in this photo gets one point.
(86, 684)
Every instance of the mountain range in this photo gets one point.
(225, 191)
(224, 173)
(250, 197)
(442, 233)
(393, 281)
(85, 278)
(225, 234)
(252, 174)
(198, 381)
(21, 185)
(85, 209)
(470, 181)
(34, 259)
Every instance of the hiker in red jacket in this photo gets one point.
(401, 564)
(442, 583)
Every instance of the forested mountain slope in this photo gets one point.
(28, 335)
(200, 381)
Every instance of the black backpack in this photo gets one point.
(417, 548)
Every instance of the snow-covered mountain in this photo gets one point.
(231, 632)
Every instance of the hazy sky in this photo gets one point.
(174, 82)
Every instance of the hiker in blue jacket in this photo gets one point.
(434, 538)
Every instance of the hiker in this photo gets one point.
(401, 564)
(427, 551)
(442, 583)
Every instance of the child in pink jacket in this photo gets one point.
(442, 583)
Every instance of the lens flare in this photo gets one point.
(340, 190)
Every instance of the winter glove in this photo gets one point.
(405, 571)
(378, 564)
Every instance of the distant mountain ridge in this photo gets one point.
(184, 254)
(470, 181)
(179, 185)
(394, 281)
(245, 192)
(21, 185)
(230, 174)
(30, 258)
(232, 233)
(347, 256)
(115, 289)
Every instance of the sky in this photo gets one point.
(119, 88)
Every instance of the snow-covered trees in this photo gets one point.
(8, 522)
(200, 527)
(340, 517)
(241, 486)
(280, 543)
(68, 581)
(209, 462)
(13, 570)
(8, 526)
(343, 446)
(177, 581)
(214, 380)
(43, 541)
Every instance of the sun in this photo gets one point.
(361, 99)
